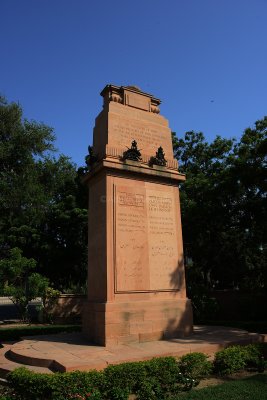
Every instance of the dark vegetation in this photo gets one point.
(16, 333)
(223, 212)
(43, 206)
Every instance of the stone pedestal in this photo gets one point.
(136, 282)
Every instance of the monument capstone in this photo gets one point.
(136, 279)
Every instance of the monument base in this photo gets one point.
(138, 321)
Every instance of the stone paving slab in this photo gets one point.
(71, 351)
(7, 365)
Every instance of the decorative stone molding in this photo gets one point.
(117, 153)
(115, 97)
(131, 96)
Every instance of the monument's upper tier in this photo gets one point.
(132, 115)
(131, 96)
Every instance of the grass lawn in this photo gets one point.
(252, 388)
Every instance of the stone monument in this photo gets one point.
(136, 279)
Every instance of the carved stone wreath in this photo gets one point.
(132, 153)
(159, 159)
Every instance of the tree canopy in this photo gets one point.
(224, 208)
(42, 210)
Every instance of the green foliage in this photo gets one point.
(236, 358)
(124, 379)
(149, 380)
(19, 282)
(30, 385)
(74, 384)
(43, 205)
(230, 360)
(253, 353)
(165, 377)
(17, 333)
(223, 204)
(49, 299)
(15, 267)
(35, 386)
(195, 365)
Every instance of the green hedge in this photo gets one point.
(149, 380)
(159, 378)
(17, 333)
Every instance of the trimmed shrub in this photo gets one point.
(123, 379)
(252, 354)
(35, 386)
(236, 358)
(149, 380)
(30, 385)
(195, 365)
(78, 385)
(163, 376)
(229, 360)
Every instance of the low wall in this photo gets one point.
(68, 309)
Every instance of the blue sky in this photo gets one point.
(205, 59)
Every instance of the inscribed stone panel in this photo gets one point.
(146, 249)
(162, 239)
(149, 137)
(131, 255)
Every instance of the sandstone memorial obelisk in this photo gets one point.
(136, 279)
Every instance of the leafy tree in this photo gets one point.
(19, 281)
(42, 203)
(224, 208)
(248, 174)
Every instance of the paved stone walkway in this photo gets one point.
(70, 351)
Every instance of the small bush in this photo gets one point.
(30, 385)
(123, 379)
(163, 376)
(229, 360)
(74, 384)
(252, 354)
(236, 358)
(195, 365)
